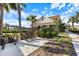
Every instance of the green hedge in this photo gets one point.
(74, 30)
(54, 34)
(62, 27)
(8, 31)
(14, 31)
(46, 32)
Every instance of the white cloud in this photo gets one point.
(69, 4)
(64, 18)
(16, 23)
(10, 14)
(71, 10)
(13, 12)
(43, 12)
(38, 16)
(11, 21)
(24, 14)
(68, 13)
(74, 8)
(45, 8)
(55, 5)
(62, 5)
(76, 4)
(50, 13)
(47, 15)
(34, 10)
(26, 24)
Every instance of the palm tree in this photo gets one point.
(19, 8)
(72, 20)
(33, 19)
(77, 17)
(7, 7)
(2, 7)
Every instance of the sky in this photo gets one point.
(65, 10)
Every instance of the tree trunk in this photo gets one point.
(19, 18)
(32, 30)
(73, 25)
(1, 20)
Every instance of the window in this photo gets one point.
(44, 26)
(39, 27)
(50, 25)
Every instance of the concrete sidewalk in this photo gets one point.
(75, 41)
(23, 48)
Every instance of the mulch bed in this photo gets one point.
(55, 49)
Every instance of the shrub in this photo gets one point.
(41, 33)
(53, 34)
(23, 30)
(6, 31)
(62, 27)
(13, 31)
(48, 34)
(75, 30)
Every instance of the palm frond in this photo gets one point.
(69, 20)
(28, 19)
(13, 6)
(23, 5)
(31, 18)
(6, 7)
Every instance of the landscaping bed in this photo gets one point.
(61, 46)
(75, 30)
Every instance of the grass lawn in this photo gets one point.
(56, 46)
(77, 37)
(75, 30)
(18, 34)
(63, 33)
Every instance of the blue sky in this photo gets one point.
(65, 10)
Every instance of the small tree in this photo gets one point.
(31, 18)
(58, 26)
(77, 17)
(73, 20)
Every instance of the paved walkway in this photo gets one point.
(23, 48)
(75, 41)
